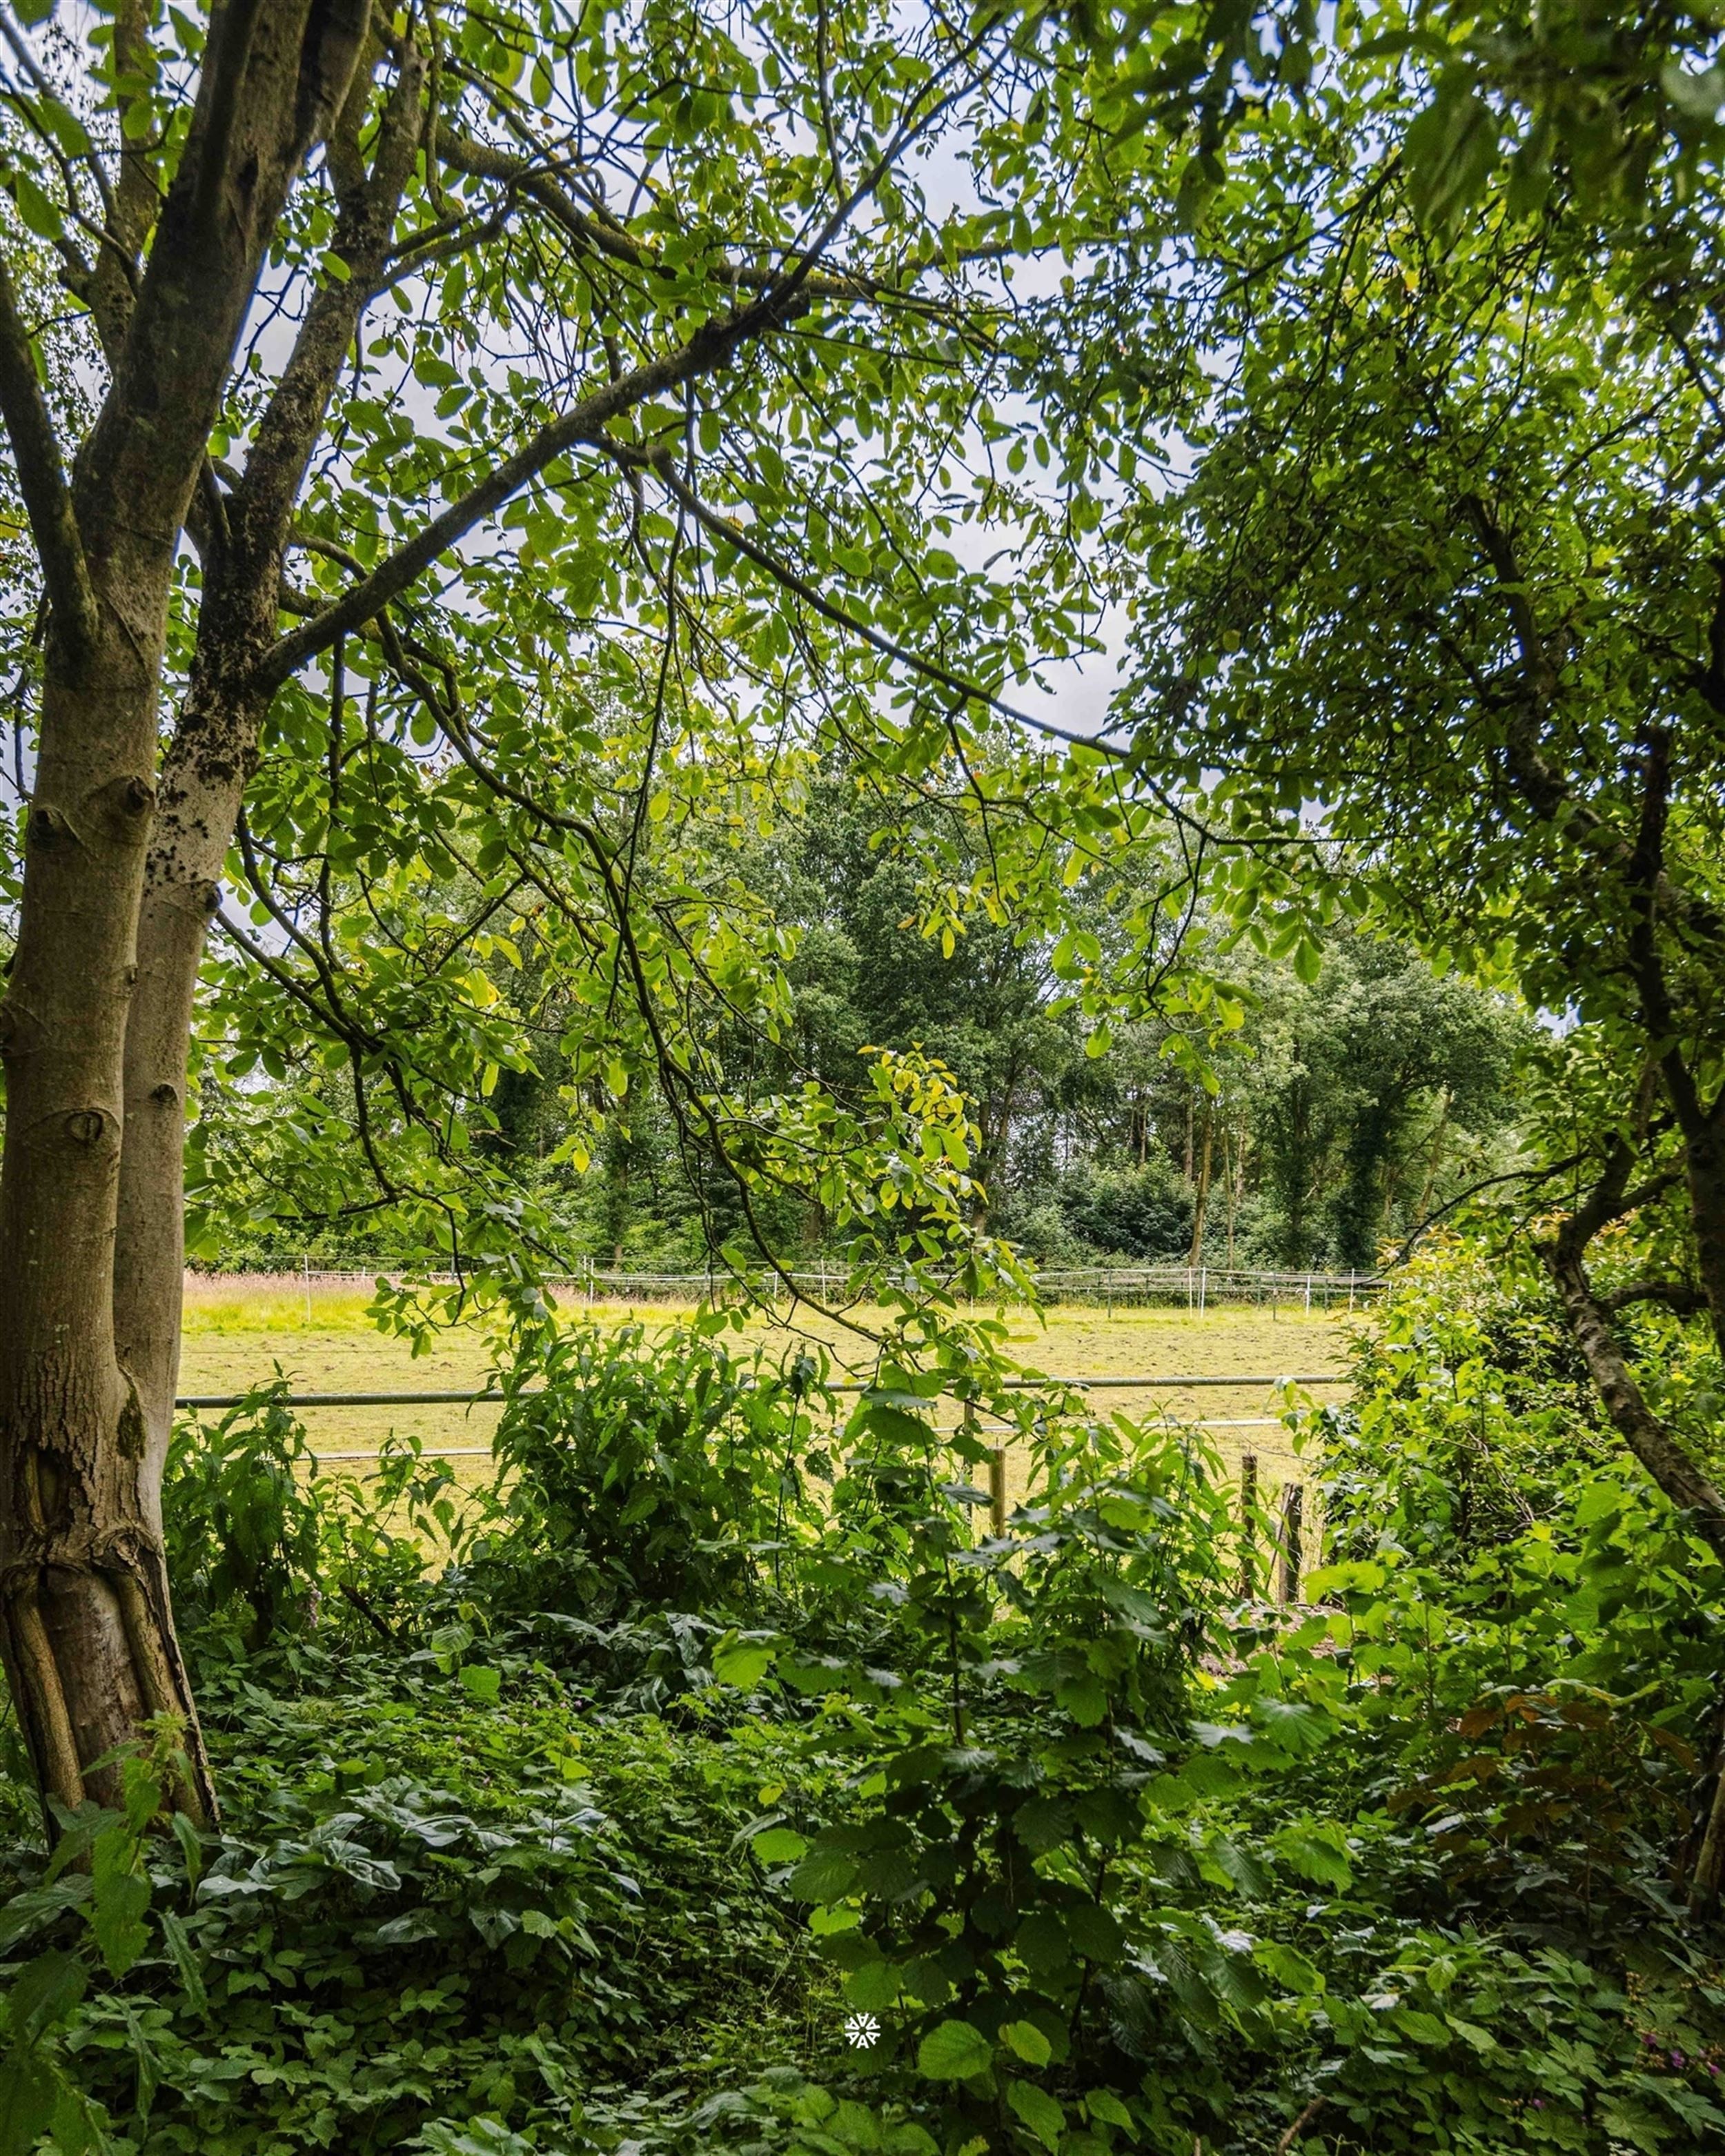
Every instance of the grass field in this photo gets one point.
(239, 1330)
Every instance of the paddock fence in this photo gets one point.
(1280, 1531)
(1194, 1288)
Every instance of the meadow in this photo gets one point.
(239, 1329)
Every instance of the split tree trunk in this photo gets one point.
(85, 1626)
(89, 1341)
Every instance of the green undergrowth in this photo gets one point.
(424, 1906)
(727, 1789)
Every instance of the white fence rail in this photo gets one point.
(1195, 1287)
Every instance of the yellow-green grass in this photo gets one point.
(239, 1330)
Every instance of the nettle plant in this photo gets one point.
(1011, 1752)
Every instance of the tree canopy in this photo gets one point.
(541, 551)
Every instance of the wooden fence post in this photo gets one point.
(1248, 1524)
(997, 1489)
(1293, 1507)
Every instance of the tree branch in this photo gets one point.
(746, 544)
(712, 347)
(1676, 1294)
(1544, 787)
(42, 479)
(1645, 1435)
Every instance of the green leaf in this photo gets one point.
(779, 1844)
(743, 1663)
(1288, 1966)
(875, 1985)
(191, 1848)
(954, 2051)
(29, 2091)
(25, 1913)
(480, 1682)
(1422, 2028)
(185, 1960)
(1038, 2111)
(67, 129)
(1317, 1850)
(42, 1994)
(43, 216)
(825, 1874)
(117, 1920)
(121, 1895)
(1093, 1931)
(1026, 2041)
(1450, 149)
(1084, 1698)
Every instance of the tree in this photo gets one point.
(1372, 1087)
(1439, 589)
(425, 338)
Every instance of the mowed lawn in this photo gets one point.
(239, 1331)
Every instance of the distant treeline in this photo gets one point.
(1344, 1108)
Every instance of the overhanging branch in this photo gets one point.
(710, 347)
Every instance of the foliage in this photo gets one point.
(1102, 1855)
(644, 1476)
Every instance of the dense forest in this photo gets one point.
(702, 635)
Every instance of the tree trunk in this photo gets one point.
(1704, 1163)
(85, 1626)
(1433, 1159)
(1195, 1256)
(1236, 1183)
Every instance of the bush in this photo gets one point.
(644, 1475)
(1130, 1212)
